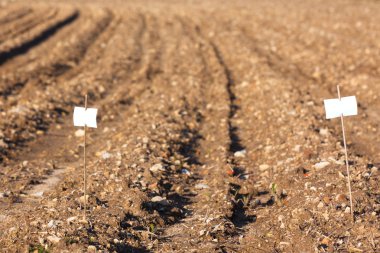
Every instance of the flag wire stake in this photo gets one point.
(84, 163)
(347, 166)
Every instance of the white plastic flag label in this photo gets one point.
(346, 106)
(85, 117)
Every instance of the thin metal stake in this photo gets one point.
(347, 167)
(84, 163)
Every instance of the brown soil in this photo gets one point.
(211, 129)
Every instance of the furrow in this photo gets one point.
(62, 59)
(15, 14)
(25, 25)
(211, 207)
(238, 217)
(22, 45)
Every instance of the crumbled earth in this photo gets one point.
(211, 131)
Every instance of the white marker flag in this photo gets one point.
(346, 106)
(85, 117)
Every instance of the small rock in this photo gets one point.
(82, 199)
(326, 216)
(160, 200)
(230, 171)
(154, 187)
(374, 170)
(284, 244)
(79, 133)
(264, 167)
(325, 241)
(240, 154)
(71, 219)
(244, 190)
(354, 250)
(244, 84)
(83, 221)
(3, 144)
(326, 200)
(157, 167)
(185, 171)
(347, 210)
(297, 148)
(324, 131)
(321, 165)
(201, 186)
(320, 205)
(38, 194)
(265, 199)
(91, 248)
(333, 160)
(341, 198)
(315, 200)
(52, 224)
(53, 239)
(106, 155)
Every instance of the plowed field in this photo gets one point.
(211, 132)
